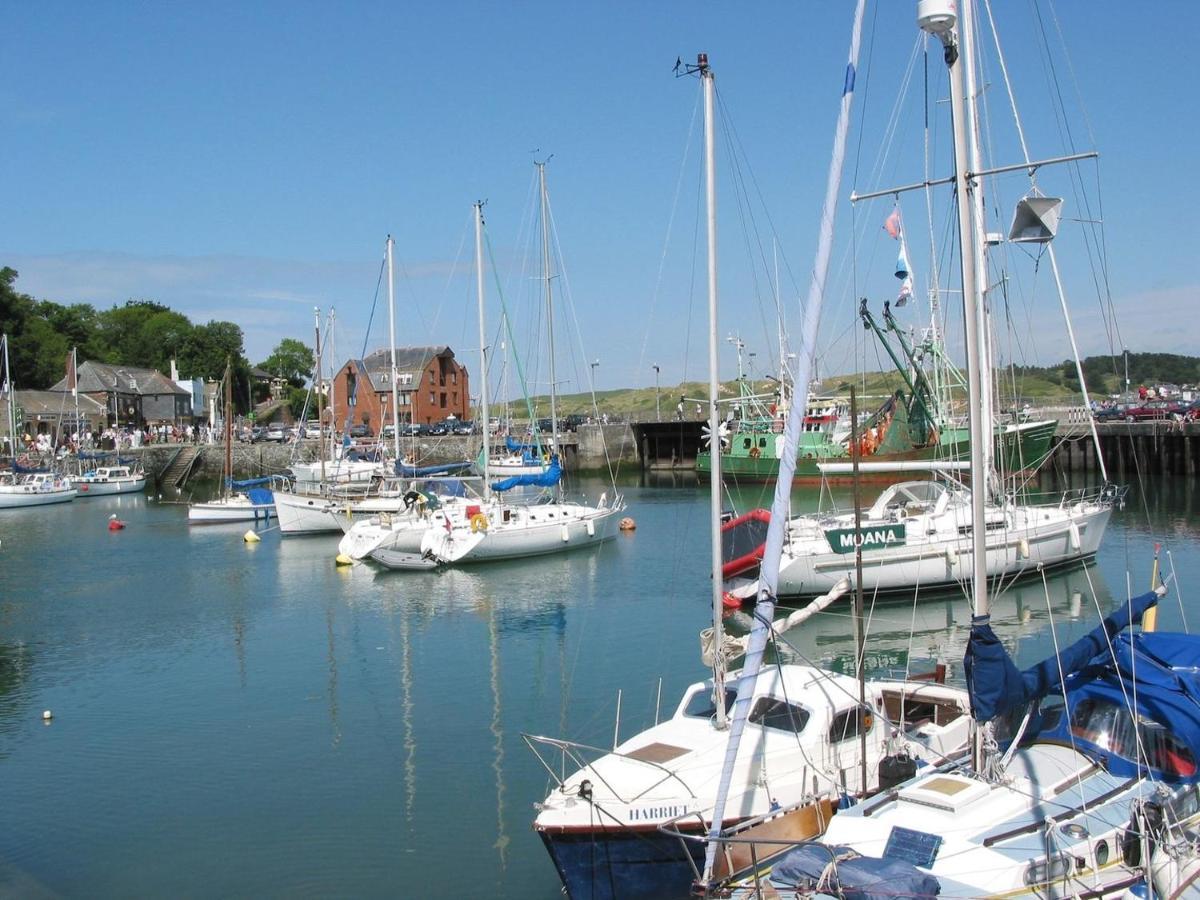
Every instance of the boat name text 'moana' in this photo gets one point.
(841, 540)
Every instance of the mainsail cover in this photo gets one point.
(764, 611)
(548, 478)
(996, 685)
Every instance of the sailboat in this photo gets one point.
(619, 824)
(239, 501)
(22, 489)
(1083, 776)
(464, 528)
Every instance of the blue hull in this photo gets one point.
(623, 865)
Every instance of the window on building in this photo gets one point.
(431, 381)
(454, 378)
(443, 398)
(432, 400)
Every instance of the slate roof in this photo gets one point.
(56, 403)
(100, 378)
(409, 360)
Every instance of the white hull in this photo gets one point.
(13, 498)
(527, 531)
(97, 487)
(308, 475)
(237, 508)
(935, 550)
(307, 514)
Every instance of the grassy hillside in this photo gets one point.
(1038, 386)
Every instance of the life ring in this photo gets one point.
(479, 522)
(755, 453)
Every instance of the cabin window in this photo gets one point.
(700, 704)
(762, 442)
(850, 724)
(1109, 725)
(746, 442)
(770, 712)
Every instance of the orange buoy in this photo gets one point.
(627, 524)
(115, 524)
(730, 602)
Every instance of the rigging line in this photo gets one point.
(374, 303)
(742, 205)
(662, 259)
(567, 294)
(536, 432)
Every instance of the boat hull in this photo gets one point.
(621, 863)
(10, 499)
(1018, 449)
(516, 539)
(219, 511)
(1013, 552)
(97, 488)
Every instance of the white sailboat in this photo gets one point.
(1083, 780)
(254, 504)
(22, 489)
(463, 527)
(631, 822)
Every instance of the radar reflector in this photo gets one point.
(1036, 220)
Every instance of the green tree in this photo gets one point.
(292, 360)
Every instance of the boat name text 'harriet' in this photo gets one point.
(656, 812)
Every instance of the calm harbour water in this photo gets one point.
(248, 720)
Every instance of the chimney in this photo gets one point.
(174, 371)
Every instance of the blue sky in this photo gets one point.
(245, 161)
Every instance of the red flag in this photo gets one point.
(892, 224)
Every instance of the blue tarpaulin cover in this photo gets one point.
(260, 496)
(854, 877)
(549, 478)
(997, 686)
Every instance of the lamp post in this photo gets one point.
(657, 409)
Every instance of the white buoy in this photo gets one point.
(251, 538)
(47, 715)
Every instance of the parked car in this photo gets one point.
(437, 428)
(411, 429)
(1155, 409)
(1110, 413)
(275, 432)
(360, 431)
(464, 428)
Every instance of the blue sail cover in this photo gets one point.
(1159, 676)
(997, 686)
(260, 496)
(248, 483)
(549, 478)
(406, 471)
(516, 446)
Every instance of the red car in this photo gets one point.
(1155, 409)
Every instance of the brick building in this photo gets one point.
(431, 385)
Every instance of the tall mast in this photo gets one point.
(549, 308)
(942, 26)
(12, 403)
(483, 372)
(317, 385)
(392, 338)
(228, 487)
(714, 420)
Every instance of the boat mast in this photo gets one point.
(317, 384)
(228, 486)
(941, 24)
(714, 418)
(12, 403)
(392, 338)
(483, 372)
(549, 308)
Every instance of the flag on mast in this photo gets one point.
(895, 229)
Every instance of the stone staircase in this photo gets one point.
(180, 468)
